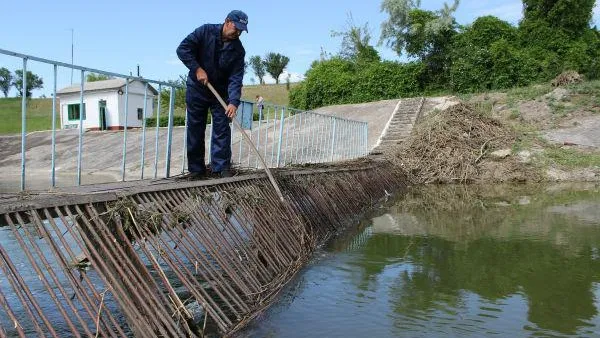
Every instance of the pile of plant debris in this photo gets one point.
(567, 78)
(453, 146)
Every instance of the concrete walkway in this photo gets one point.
(103, 151)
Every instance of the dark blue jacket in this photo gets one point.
(222, 62)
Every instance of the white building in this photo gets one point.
(104, 104)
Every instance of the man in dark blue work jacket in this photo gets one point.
(213, 53)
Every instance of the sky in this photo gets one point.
(117, 36)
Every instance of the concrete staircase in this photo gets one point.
(406, 114)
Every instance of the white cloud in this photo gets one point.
(596, 14)
(173, 61)
(294, 77)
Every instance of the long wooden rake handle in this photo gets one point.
(247, 138)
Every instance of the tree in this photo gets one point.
(355, 43)
(486, 55)
(572, 16)
(6, 80)
(258, 67)
(180, 89)
(33, 82)
(92, 77)
(426, 35)
(557, 34)
(275, 63)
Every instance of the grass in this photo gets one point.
(272, 93)
(572, 158)
(528, 93)
(39, 115)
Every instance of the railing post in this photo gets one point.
(260, 110)
(23, 123)
(241, 148)
(157, 132)
(142, 158)
(124, 159)
(274, 132)
(53, 164)
(281, 121)
(333, 137)
(170, 133)
(81, 112)
(366, 138)
(184, 150)
(287, 136)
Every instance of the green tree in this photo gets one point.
(557, 34)
(258, 67)
(180, 88)
(355, 43)
(92, 77)
(572, 16)
(6, 79)
(33, 82)
(275, 63)
(426, 35)
(485, 55)
(412, 30)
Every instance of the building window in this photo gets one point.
(140, 113)
(73, 111)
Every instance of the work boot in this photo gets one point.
(193, 176)
(225, 173)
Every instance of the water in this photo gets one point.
(454, 262)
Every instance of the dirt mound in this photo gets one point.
(453, 146)
(566, 78)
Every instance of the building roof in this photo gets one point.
(100, 85)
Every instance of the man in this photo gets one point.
(260, 102)
(213, 53)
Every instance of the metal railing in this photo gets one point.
(283, 135)
(286, 136)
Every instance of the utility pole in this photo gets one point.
(138, 70)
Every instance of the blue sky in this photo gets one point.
(118, 35)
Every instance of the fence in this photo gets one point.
(283, 136)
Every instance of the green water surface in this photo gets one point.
(454, 261)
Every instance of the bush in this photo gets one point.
(485, 56)
(388, 80)
(164, 121)
(339, 81)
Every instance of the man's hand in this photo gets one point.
(201, 76)
(231, 111)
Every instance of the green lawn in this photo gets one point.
(39, 115)
(272, 93)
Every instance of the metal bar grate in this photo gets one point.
(171, 262)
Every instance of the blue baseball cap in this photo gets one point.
(240, 19)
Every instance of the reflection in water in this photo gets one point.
(455, 261)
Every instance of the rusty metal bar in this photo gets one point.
(130, 272)
(193, 288)
(115, 283)
(216, 313)
(83, 275)
(53, 276)
(16, 279)
(237, 243)
(16, 325)
(158, 252)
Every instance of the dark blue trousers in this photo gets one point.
(197, 112)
